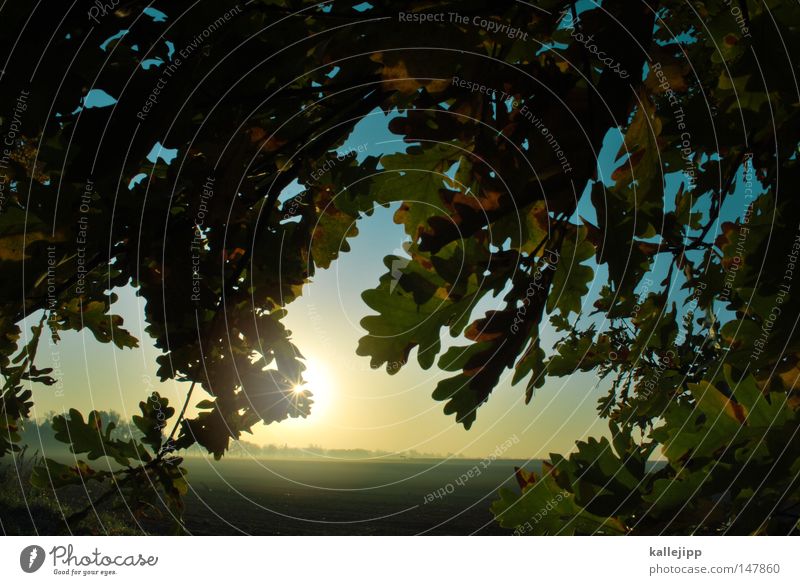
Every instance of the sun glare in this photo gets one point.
(320, 384)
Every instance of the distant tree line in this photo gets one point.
(38, 436)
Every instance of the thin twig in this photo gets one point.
(717, 207)
(177, 421)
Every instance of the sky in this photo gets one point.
(355, 406)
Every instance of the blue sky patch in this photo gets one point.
(159, 152)
(113, 38)
(136, 180)
(156, 15)
(97, 98)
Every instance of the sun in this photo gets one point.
(320, 384)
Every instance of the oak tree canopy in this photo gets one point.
(671, 278)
